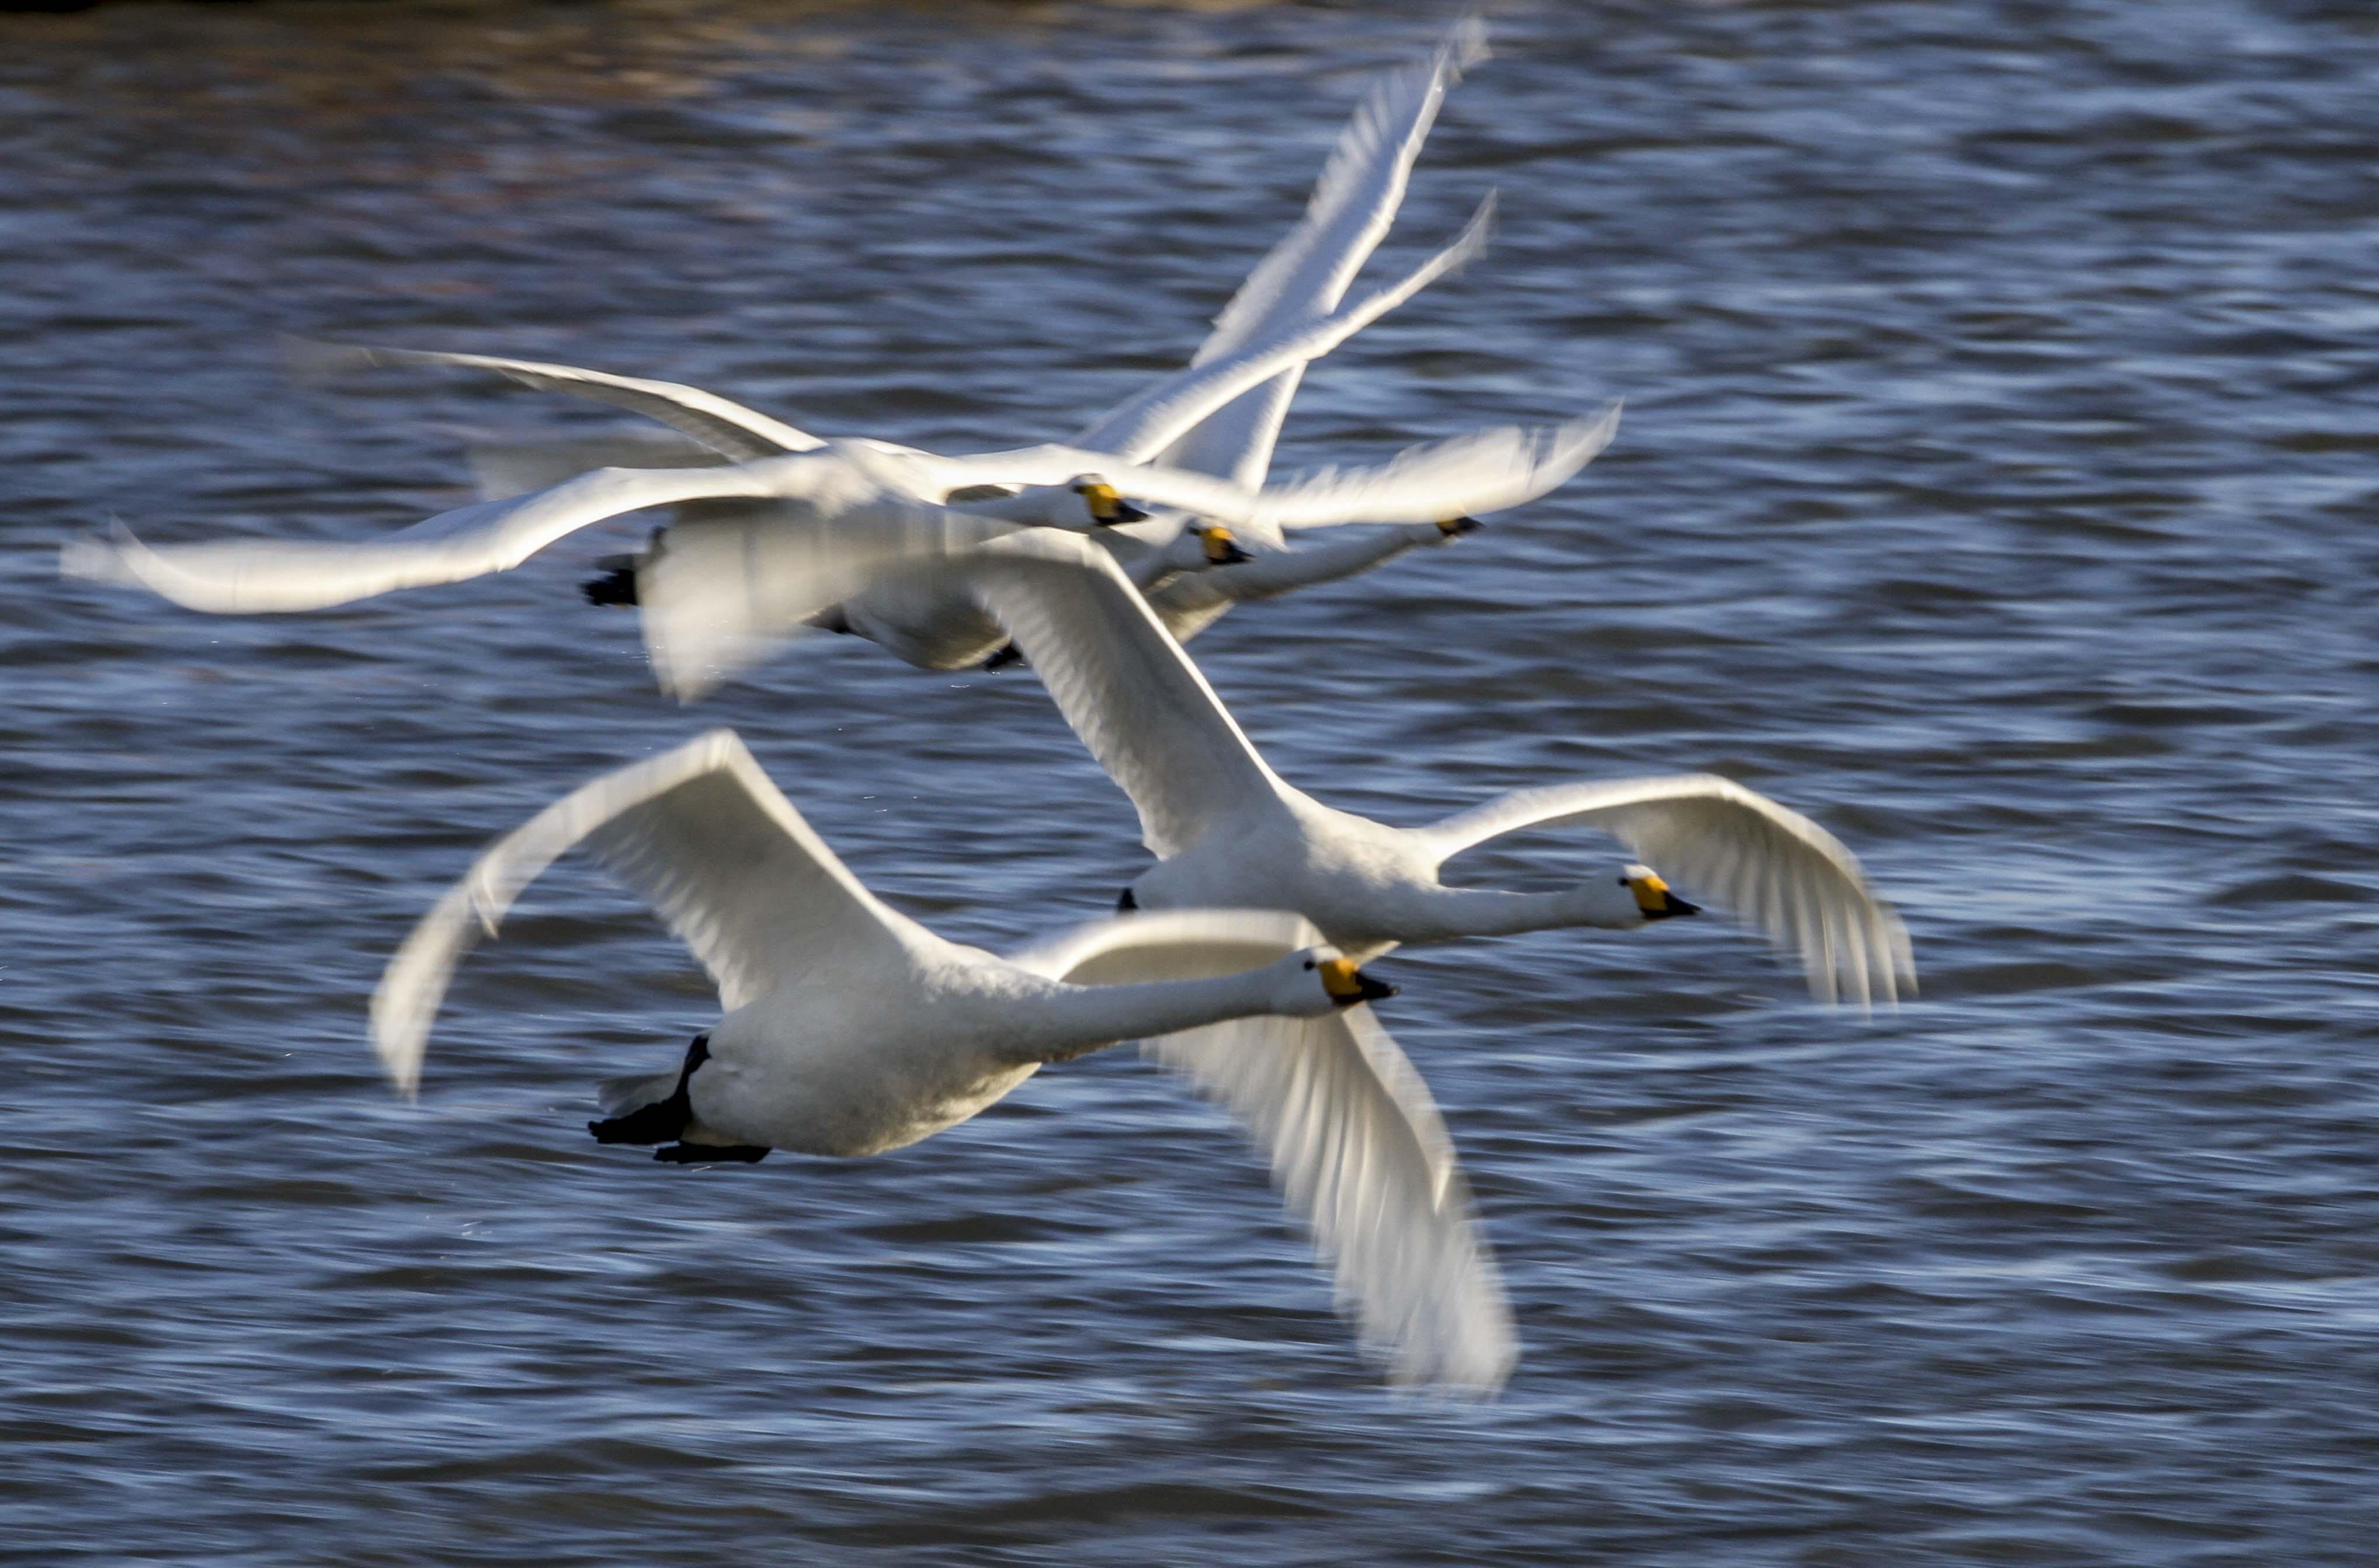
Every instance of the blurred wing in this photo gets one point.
(1139, 429)
(1356, 1142)
(1354, 202)
(1771, 866)
(251, 576)
(1465, 477)
(509, 468)
(722, 591)
(703, 837)
(723, 426)
(1125, 686)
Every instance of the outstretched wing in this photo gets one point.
(1462, 476)
(508, 468)
(718, 423)
(1125, 686)
(251, 576)
(1353, 204)
(722, 591)
(1771, 866)
(1356, 1142)
(1139, 428)
(705, 837)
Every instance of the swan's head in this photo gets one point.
(1344, 984)
(1106, 504)
(1221, 546)
(1635, 894)
(1318, 981)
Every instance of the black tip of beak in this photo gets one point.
(1230, 555)
(1670, 906)
(1369, 990)
(1454, 525)
(1126, 512)
(1126, 903)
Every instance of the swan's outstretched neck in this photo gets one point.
(1078, 1018)
(1442, 914)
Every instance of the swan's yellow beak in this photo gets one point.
(1349, 986)
(1106, 504)
(1652, 897)
(1222, 546)
(1450, 527)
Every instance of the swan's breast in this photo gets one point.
(925, 626)
(857, 1072)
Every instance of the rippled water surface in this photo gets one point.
(1996, 486)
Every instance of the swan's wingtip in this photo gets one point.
(311, 361)
(1466, 44)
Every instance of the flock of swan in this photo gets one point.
(847, 1029)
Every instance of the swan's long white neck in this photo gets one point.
(1445, 914)
(1076, 1019)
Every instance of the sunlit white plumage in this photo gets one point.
(1228, 831)
(719, 595)
(849, 1030)
(860, 485)
(707, 619)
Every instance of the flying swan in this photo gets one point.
(1229, 832)
(849, 1030)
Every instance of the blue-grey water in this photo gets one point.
(1997, 486)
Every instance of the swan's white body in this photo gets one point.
(849, 1030)
(1226, 830)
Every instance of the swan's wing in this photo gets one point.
(719, 423)
(707, 841)
(724, 590)
(1125, 686)
(1356, 1142)
(508, 468)
(248, 577)
(1139, 429)
(1354, 202)
(1464, 476)
(1771, 866)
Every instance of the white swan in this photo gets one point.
(849, 1030)
(1227, 831)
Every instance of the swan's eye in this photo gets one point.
(1623, 882)
(1309, 963)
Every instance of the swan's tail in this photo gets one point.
(625, 1096)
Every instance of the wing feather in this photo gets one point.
(1767, 864)
(1354, 1140)
(1125, 686)
(719, 423)
(703, 837)
(1353, 204)
(1464, 476)
(1137, 431)
(251, 576)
